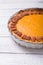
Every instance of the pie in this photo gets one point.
(27, 25)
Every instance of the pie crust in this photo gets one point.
(13, 22)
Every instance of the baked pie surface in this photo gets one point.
(27, 25)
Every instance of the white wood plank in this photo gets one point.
(20, 1)
(8, 45)
(20, 5)
(17, 59)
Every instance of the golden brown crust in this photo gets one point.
(26, 37)
(13, 21)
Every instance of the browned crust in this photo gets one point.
(13, 21)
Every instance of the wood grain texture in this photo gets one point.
(17, 59)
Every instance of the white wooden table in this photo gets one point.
(10, 52)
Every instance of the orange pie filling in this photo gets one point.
(31, 25)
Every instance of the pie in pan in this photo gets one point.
(27, 25)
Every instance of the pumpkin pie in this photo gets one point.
(27, 25)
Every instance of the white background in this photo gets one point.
(10, 52)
